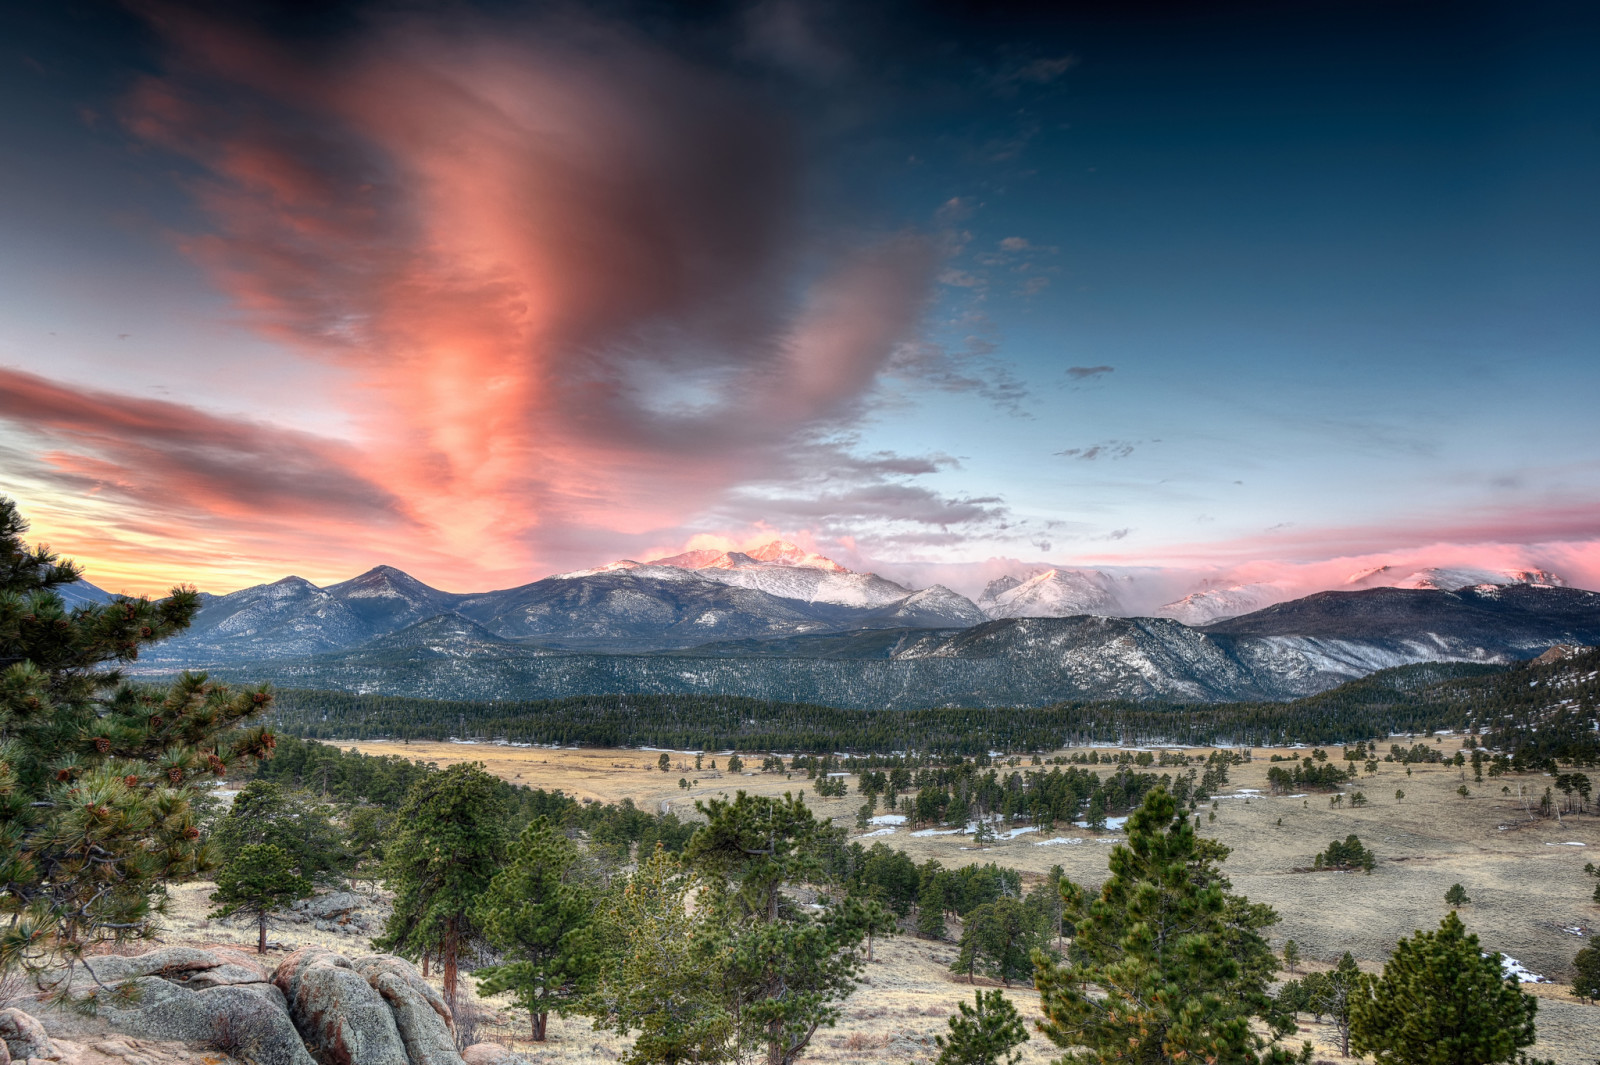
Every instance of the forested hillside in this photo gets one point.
(1406, 699)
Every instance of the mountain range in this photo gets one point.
(780, 622)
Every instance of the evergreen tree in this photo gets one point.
(931, 906)
(367, 833)
(1442, 1001)
(986, 1033)
(451, 845)
(1335, 993)
(1456, 896)
(98, 778)
(784, 969)
(998, 939)
(539, 916)
(259, 880)
(294, 822)
(1586, 974)
(1291, 954)
(658, 983)
(1151, 978)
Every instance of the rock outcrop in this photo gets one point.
(375, 1010)
(24, 1038)
(219, 996)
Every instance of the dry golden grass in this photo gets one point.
(1527, 886)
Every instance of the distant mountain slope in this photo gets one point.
(643, 608)
(82, 593)
(1512, 621)
(625, 606)
(293, 617)
(384, 599)
(1023, 661)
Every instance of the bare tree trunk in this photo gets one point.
(425, 956)
(449, 960)
(261, 942)
(541, 1021)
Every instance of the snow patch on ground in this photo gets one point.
(938, 832)
(1512, 967)
(880, 832)
(1112, 823)
(887, 819)
(1568, 843)
(1059, 841)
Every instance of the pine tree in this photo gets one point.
(658, 983)
(258, 880)
(1456, 896)
(784, 969)
(930, 907)
(1586, 974)
(1151, 978)
(984, 1033)
(1335, 995)
(451, 845)
(294, 822)
(1442, 1001)
(97, 777)
(1291, 954)
(998, 939)
(539, 915)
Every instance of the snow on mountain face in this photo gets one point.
(1453, 578)
(776, 553)
(778, 568)
(1214, 604)
(935, 606)
(1051, 593)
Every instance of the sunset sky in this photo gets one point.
(491, 291)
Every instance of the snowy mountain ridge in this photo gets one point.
(1051, 593)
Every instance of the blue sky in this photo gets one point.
(521, 288)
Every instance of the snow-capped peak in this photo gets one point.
(1214, 604)
(1454, 578)
(776, 553)
(1051, 593)
(783, 553)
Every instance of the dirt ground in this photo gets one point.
(1530, 897)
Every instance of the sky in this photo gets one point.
(1228, 293)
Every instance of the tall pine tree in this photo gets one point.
(785, 970)
(540, 916)
(97, 776)
(1155, 974)
(451, 845)
(1441, 1001)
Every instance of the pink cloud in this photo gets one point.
(562, 264)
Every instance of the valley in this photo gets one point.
(1530, 897)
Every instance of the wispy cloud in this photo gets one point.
(566, 270)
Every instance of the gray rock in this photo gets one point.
(217, 995)
(420, 1012)
(342, 1019)
(24, 1037)
(324, 907)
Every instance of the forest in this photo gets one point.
(1547, 708)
